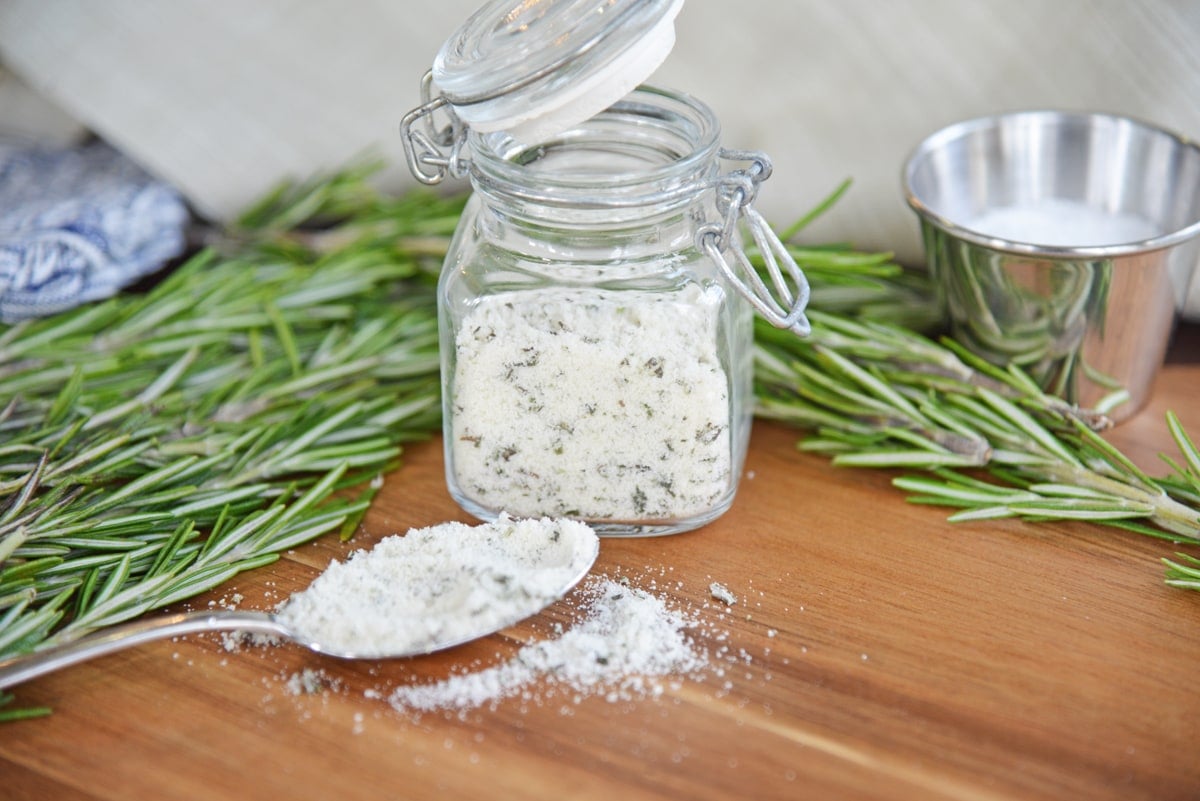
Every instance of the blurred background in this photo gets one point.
(223, 99)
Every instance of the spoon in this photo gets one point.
(16, 670)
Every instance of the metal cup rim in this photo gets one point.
(957, 130)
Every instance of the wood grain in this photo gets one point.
(911, 659)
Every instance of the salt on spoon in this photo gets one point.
(426, 591)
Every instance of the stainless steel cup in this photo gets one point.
(1089, 320)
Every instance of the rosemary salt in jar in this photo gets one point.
(595, 307)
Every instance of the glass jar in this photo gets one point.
(595, 363)
(596, 305)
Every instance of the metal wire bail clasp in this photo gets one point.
(736, 192)
(425, 150)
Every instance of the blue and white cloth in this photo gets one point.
(79, 224)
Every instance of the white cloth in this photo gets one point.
(77, 225)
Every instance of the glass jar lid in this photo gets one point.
(534, 68)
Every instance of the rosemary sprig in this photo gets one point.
(157, 444)
(861, 284)
(877, 394)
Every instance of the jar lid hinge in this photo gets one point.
(736, 192)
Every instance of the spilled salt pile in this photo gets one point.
(625, 646)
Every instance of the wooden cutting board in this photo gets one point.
(875, 652)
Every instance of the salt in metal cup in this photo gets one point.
(1059, 242)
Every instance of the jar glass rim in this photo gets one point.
(655, 141)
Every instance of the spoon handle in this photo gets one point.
(18, 669)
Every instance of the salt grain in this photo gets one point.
(310, 681)
(722, 594)
(233, 641)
